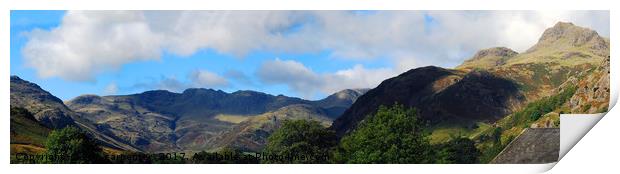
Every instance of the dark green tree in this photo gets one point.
(300, 141)
(497, 135)
(72, 146)
(459, 151)
(392, 135)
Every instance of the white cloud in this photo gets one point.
(87, 43)
(295, 75)
(110, 89)
(93, 42)
(206, 79)
(303, 80)
(356, 77)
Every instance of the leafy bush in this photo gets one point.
(71, 146)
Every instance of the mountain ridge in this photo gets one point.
(564, 52)
(189, 120)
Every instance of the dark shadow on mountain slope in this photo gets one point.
(441, 95)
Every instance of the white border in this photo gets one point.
(596, 152)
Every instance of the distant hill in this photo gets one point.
(164, 121)
(338, 102)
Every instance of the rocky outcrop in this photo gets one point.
(566, 36)
(593, 90)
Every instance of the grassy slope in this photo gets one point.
(236, 119)
(25, 129)
(445, 132)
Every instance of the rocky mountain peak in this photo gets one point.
(565, 34)
(579, 35)
(350, 94)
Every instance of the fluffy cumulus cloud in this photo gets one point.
(89, 43)
(294, 74)
(202, 78)
(307, 82)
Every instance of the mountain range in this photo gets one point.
(162, 121)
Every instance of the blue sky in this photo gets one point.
(303, 54)
(169, 66)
